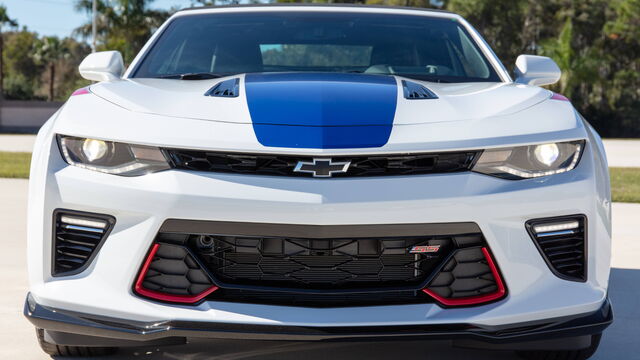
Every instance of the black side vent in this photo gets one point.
(227, 88)
(415, 91)
(77, 239)
(562, 241)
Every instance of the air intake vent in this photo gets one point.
(414, 91)
(227, 88)
(470, 277)
(320, 266)
(170, 273)
(563, 245)
(78, 237)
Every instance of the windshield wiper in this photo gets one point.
(193, 76)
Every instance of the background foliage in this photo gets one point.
(596, 43)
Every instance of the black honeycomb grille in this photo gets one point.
(324, 270)
(564, 251)
(174, 271)
(466, 274)
(283, 165)
(320, 263)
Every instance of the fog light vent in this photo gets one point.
(563, 245)
(77, 239)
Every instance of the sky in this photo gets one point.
(58, 17)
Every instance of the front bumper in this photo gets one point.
(142, 204)
(72, 328)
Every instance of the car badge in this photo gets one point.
(424, 249)
(322, 167)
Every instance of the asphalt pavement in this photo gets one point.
(18, 341)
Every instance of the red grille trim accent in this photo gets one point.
(475, 300)
(184, 299)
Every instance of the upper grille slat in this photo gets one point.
(284, 165)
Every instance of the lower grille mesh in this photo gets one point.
(465, 274)
(174, 271)
(320, 263)
(454, 269)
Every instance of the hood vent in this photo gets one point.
(414, 91)
(227, 88)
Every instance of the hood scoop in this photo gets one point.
(414, 91)
(227, 88)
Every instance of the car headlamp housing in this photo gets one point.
(112, 157)
(531, 161)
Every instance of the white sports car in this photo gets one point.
(319, 173)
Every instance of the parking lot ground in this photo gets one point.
(18, 342)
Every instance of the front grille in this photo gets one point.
(284, 165)
(322, 266)
(563, 250)
(329, 264)
(77, 239)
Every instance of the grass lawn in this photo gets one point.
(14, 164)
(625, 182)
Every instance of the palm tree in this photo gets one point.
(578, 66)
(123, 25)
(4, 20)
(47, 52)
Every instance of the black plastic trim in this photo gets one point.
(231, 228)
(92, 325)
(111, 222)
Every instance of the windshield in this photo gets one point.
(210, 45)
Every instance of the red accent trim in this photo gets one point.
(185, 299)
(479, 299)
(81, 91)
(557, 96)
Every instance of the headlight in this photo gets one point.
(112, 157)
(523, 162)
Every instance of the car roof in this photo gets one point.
(315, 6)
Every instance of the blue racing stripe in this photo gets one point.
(321, 110)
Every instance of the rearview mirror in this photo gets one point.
(536, 70)
(102, 66)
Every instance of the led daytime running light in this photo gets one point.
(83, 222)
(544, 228)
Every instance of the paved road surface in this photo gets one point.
(17, 338)
(20, 143)
(621, 153)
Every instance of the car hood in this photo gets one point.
(320, 114)
(316, 99)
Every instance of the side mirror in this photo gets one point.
(102, 66)
(536, 70)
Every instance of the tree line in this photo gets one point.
(596, 43)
